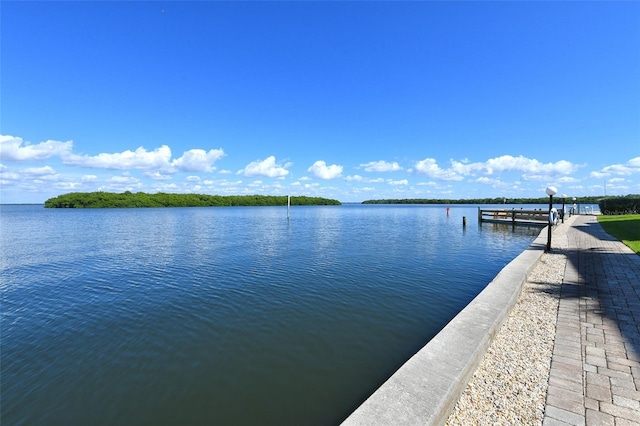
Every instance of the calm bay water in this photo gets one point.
(227, 315)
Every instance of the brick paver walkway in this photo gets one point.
(595, 368)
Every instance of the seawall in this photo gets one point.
(426, 388)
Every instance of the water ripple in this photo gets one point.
(226, 315)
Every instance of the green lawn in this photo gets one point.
(626, 228)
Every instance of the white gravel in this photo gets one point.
(510, 385)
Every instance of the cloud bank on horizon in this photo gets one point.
(52, 167)
(345, 100)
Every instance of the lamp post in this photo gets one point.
(551, 191)
(563, 197)
(575, 206)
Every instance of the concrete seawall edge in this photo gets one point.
(425, 389)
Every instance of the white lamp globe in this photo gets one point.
(551, 190)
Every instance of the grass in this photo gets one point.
(626, 228)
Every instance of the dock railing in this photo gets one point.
(514, 216)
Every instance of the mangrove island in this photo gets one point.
(141, 199)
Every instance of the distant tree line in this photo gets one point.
(500, 200)
(141, 199)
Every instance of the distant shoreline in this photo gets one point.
(501, 200)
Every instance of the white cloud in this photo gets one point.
(381, 166)
(631, 167)
(138, 159)
(528, 165)
(613, 187)
(226, 183)
(358, 178)
(9, 176)
(266, 168)
(532, 169)
(193, 178)
(487, 181)
(198, 160)
(12, 149)
(123, 183)
(398, 182)
(124, 180)
(39, 171)
(320, 170)
(89, 178)
(567, 179)
(430, 167)
(67, 186)
(537, 177)
(166, 187)
(495, 183)
(598, 175)
(157, 176)
(506, 163)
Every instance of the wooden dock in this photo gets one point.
(514, 217)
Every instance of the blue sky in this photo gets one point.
(346, 100)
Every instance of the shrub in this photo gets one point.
(629, 204)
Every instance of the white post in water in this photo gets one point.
(288, 205)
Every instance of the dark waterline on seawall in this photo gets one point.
(233, 315)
